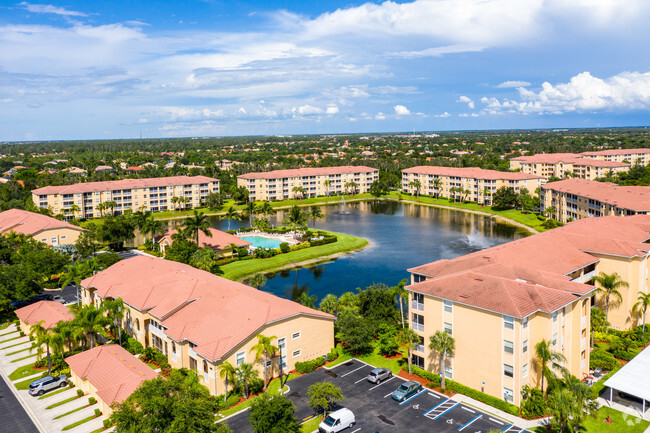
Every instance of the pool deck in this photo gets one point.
(284, 237)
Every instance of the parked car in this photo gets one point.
(378, 374)
(58, 298)
(406, 390)
(47, 383)
(337, 421)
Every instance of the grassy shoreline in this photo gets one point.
(345, 244)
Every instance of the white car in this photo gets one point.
(337, 421)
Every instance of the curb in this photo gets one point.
(26, 407)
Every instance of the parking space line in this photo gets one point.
(435, 395)
(360, 380)
(507, 428)
(439, 404)
(350, 372)
(442, 413)
(496, 421)
(473, 419)
(468, 409)
(412, 397)
(387, 395)
(381, 383)
(354, 431)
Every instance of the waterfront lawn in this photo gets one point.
(240, 269)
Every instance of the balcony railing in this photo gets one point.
(156, 331)
(415, 305)
(419, 348)
(417, 326)
(191, 352)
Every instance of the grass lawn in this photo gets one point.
(240, 269)
(374, 358)
(9, 333)
(311, 425)
(62, 402)
(70, 412)
(10, 339)
(24, 385)
(13, 345)
(50, 394)
(23, 358)
(274, 388)
(78, 423)
(24, 371)
(621, 423)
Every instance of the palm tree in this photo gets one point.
(445, 345)
(115, 310)
(298, 190)
(140, 218)
(66, 331)
(265, 348)
(229, 374)
(486, 193)
(51, 340)
(203, 259)
(101, 207)
(185, 201)
(250, 210)
(306, 300)
(409, 339)
(329, 304)
(562, 406)
(197, 223)
(257, 281)
(550, 211)
(545, 354)
(175, 200)
(401, 293)
(295, 217)
(245, 375)
(416, 185)
(154, 227)
(92, 321)
(111, 205)
(584, 405)
(327, 184)
(641, 306)
(315, 213)
(608, 286)
(231, 214)
(436, 184)
(74, 209)
(74, 273)
(266, 209)
(598, 323)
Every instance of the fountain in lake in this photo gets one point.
(343, 207)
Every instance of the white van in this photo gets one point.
(337, 421)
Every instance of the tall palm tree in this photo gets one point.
(327, 184)
(92, 321)
(229, 374)
(562, 406)
(545, 354)
(401, 293)
(140, 218)
(408, 339)
(66, 331)
(245, 375)
(101, 207)
(154, 227)
(51, 340)
(75, 210)
(329, 304)
(608, 285)
(174, 201)
(315, 213)
(641, 306)
(416, 185)
(111, 205)
(115, 313)
(264, 348)
(298, 190)
(436, 184)
(197, 223)
(250, 210)
(266, 209)
(295, 217)
(445, 345)
(231, 214)
(75, 272)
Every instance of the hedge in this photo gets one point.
(602, 359)
(480, 396)
(309, 366)
(433, 377)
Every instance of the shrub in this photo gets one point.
(334, 354)
(533, 404)
(256, 386)
(625, 355)
(602, 359)
(300, 246)
(92, 400)
(387, 344)
(480, 396)
(309, 366)
(132, 345)
(232, 400)
(153, 355)
(603, 336)
(107, 423)
(70, 385)
(22, 334)
(98, 413)
(284, 247)
(432, 377)
(80, 393)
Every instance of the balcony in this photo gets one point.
(415, 305)
(419, 348)
(419, 327)
(155, 331)
(192, 352)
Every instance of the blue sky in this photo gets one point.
(118, 69)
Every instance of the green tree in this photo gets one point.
(154, 227)
(378, 188)
(181, 250)
(250, 211)
(257, 281)
(328, 304)
(75, 273)
(196, 224)
(408, 339)
(550, 211)
(327, 184)
(68, 332)
(49, 339)
(273, 414)
(176, 404)
(295, 217)
(437, 183)
(354, 331)
(323, 396)
(92, 321)
(203, 259)
(115, 313)
(245, 376)
(264, 349)
(140, 218)
(214, 201)
(562, 406)
(598, 323)
(266, 209)
(505, 197)
(608, 285)
(315, 213)
(298, 191)
(231, 214)
(402, 294)
(416, 185)
(445, 345)
(86, 243)
(545, 354)
(306, 300)
(228, 373)
(641, 306)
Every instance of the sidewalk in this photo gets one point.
(519, 422)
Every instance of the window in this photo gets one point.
(296, 335)
(508, 395)
(417, 302)
(418, 361)
(418, 323)
(508, 347)
(448, 306)
(295, 353)
(554, 341)
(583, 355)
(524, 370)
(193, 364)
(418, 278)
(173, 348)
(448, 328)
(555, 317)
(508, 371)
(44, 240)
(449, 372)
(508, 322)
(205, 366)
(524, 346)
(64, 237)
(241, 358)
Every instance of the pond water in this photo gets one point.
(400, 235)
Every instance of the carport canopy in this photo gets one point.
(634, 378)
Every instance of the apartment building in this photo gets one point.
(154, 194)
(200, 320)
(500, 302)
(562, 165)
(574, 199)
(627, 156)
(467, 183)
(40, 227)
(316, 181)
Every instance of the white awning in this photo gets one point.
(634, 378)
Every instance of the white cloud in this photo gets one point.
(466, 100)
(509, 84)
(443, 115)
(332, 109)
(306, 110)
(437, 51)
(380, 116)
(49, 9)
(401, 110)
(241, 111)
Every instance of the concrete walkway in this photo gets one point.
(519, 422)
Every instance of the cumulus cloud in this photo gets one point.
(49, 9)
(332, 109)
(443, 115)
(467, 100)
(401, 110)
(306, 110)
(380, 116)
(509, 84)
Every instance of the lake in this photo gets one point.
(401, 236)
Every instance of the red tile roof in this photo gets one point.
(308, 171)
(635, 198)
(617, 152)
(123, 184)
(219, 240)
(30, 223)
(214, 313)
(113, 371)
(50, 312)
(567, 158)
(469, 172)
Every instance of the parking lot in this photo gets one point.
(376, 411)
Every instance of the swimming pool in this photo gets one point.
(259, 241)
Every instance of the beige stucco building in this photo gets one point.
(580, 166)
(153, 194)
(200, 320)
(316, 181)
(478, 185)
(40, 227)
(500, 302)
(575, 199)
(639, 156)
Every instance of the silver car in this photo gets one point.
(47, 383)
(377, 375)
